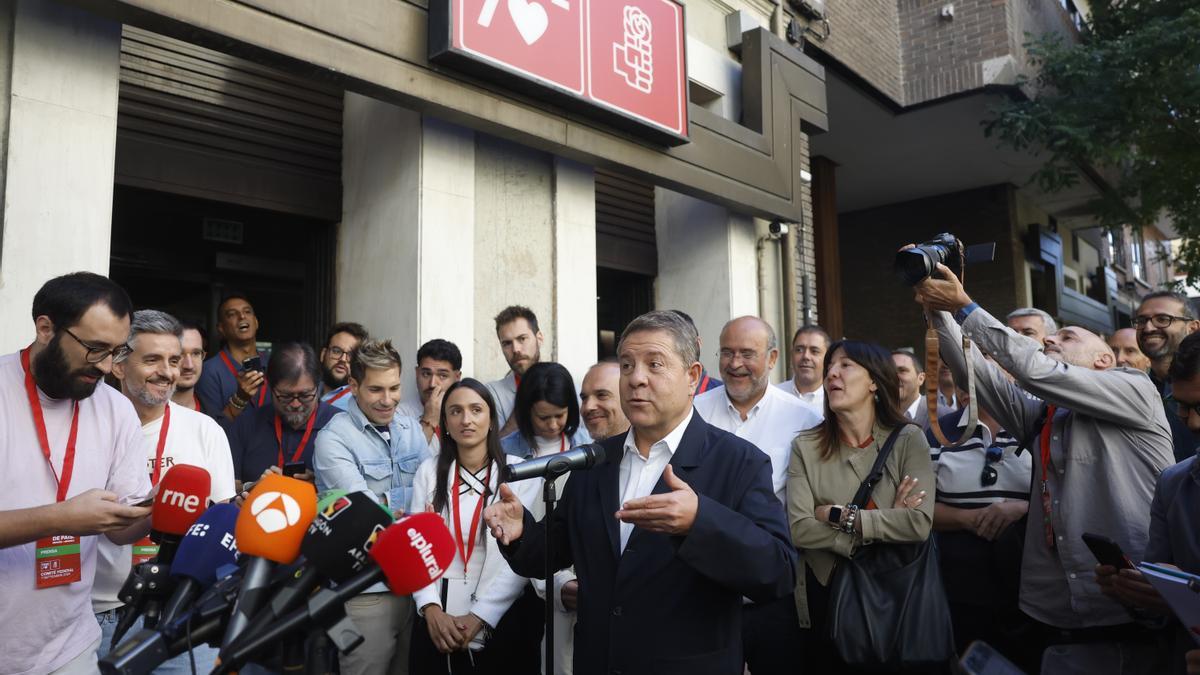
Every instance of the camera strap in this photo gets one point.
(933, 362)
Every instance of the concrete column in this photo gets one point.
(60, 98)
(706, 265)
(405, 245)
(575, 266)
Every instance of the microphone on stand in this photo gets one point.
(208, 546)
(552, 466)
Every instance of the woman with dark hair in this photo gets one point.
(462, 615)
(828, 464)
(547, 414)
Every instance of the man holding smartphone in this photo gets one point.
(234, 379)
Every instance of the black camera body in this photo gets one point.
(920, 262)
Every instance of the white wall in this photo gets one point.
(58, 172)
(574, 266)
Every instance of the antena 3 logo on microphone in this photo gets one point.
(276, 514)
(414, 552)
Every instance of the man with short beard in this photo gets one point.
(171, 435)
(521, 341)
(375, 449)
(190, 366)
(1162, 321)
(600, 401)
(71, 461)
(340, 343)
(750, 408)
(1100, 441)
(439, 365)
(809, 345)
(265, 440)
(226, 388)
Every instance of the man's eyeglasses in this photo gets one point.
(338, 353)
(746, 354)
(990, 475)
(1185, 409)
(98, 354)
(1159, 320)
(288, 399)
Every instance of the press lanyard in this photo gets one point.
(262, 390)
(340, 394)
(303, 439)
(39, 422)
(1048, 524)
(703, 384)
(196, 403)
(162, 445)
(466, 551)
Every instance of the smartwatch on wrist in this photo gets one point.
(835, 516)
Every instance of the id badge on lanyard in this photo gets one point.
(58, 562)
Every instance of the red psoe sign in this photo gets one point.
(620, 60)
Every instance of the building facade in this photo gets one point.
(320, 158)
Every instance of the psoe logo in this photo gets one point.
(275, 511)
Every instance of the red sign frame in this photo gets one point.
(604, 58)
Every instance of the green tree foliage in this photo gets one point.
(1125, 97)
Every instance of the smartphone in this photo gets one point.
(148, 501)
(293, 468)
(982, 659)
(253, 363)
(1107, 551)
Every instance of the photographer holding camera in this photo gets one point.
(1099, 439)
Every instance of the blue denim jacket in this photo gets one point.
(352, 455)
(515, 444)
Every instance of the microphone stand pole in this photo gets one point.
(549, 497)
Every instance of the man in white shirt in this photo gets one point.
(912, 377)
(750, 408)
(521, 341)
(809, 345)
(171, 435)
(70, 462)
(191, 366)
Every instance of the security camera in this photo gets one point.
(777, 228)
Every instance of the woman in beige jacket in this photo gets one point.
(827, 466)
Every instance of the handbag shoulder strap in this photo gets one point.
(864, 491)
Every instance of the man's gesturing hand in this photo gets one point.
(670, 513)
(505, 518)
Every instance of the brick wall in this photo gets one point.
(805, 254)
(880, 308)
(944, 56)
(864, 35)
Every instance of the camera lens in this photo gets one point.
(914, 265)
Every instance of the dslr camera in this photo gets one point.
(920, 262)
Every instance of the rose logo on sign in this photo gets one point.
(633, 58)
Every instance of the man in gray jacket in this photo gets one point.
(1099, 440)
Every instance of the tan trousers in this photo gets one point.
(385, 621)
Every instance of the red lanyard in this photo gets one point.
(39, 422)
(262, 390)
(703, 385)
(562, 444)
(466, 552)
(340, 394)
(1048, 524)
(303, 439)
(162, 444)
(196, 403)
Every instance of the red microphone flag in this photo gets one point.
(414, 552)
(182, 497)
(274, 518)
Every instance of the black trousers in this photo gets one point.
(514, 648)
(771, 637)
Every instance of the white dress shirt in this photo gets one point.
(912, 409)
(813, 400)
(770, 425)
(639, 474)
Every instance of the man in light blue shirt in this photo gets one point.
(374, 448)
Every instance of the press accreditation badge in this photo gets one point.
(144, 550)
(57, 562)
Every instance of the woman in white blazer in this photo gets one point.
(461, 615)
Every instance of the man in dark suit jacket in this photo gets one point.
(662, 572)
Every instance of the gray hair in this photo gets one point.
(682, 332)
(1047, 321)
(154, 322)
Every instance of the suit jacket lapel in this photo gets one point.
(608, 482)
(686, 457)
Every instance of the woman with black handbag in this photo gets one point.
(870, 595)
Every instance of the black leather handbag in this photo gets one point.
(887, 605)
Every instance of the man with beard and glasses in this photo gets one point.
(1162, 321)
(376, 449)
(190, 365)
(226, 388)
(439, 365)
(809, 345)
(521, 341)
(750, 408)
(340, 343)
(71, 465)
(172, 434)
(269, 439)
(600, 401)
(1100, 441)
